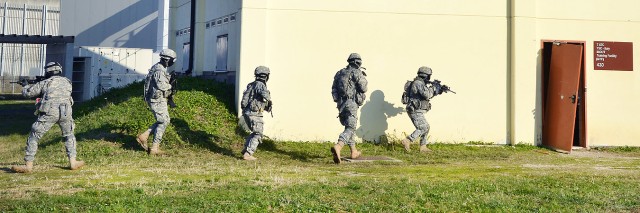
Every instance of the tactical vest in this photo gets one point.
(56, 91)
(250, 101)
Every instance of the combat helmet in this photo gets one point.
(53, 68)
(262, 70)
(168, 54)
(354, 56)
(424, 70)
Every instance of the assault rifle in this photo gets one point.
(24, 81)
(441, 87)
(174, 89)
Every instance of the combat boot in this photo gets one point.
(354, 152)
(155, 149)
(248, 156)
(335, 151)
(407, 144)
(423, 148)
(74, 164)
(28, 167)
(142, 139)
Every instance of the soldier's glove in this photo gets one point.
(445, 88)
(269, 106)
(24, 82)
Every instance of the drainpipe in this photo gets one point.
(192, 37)
(511, 98)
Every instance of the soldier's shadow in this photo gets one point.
(106, 132)
(271, 146)
(374, 115)
(204, 139)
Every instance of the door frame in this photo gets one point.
(582, 89)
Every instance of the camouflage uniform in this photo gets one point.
(348, 104)
(419, 95)
(156, 90)
(54, 107)
(254, 101)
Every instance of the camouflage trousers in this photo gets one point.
(256, 126)
(161, 113)
(349, 119)
(57, 113)
(422, 127)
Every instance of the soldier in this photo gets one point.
(156, 90)
(417, 95)
(255, 99)
(348, 91)
(53, 106)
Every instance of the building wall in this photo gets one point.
(180, 32)
(612, 116)
(489, 52)
(306, 42)
(123, 23)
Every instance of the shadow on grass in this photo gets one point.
(16, 118)
(271, 146)
(105, 132)
(7, 169)
(201, 138)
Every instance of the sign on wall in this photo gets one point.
(612, 55)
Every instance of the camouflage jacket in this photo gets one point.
(419, 95)
(53, 91)
(156, 85)
(255, 98)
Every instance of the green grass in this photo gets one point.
(203, 170)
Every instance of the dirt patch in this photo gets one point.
(599, 154)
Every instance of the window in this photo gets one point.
(221, 53)
(185, 56)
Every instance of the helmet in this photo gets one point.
(262, 70)
(167, 54)
(354, 56)
(425, 70)
(53, 67)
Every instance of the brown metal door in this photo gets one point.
(562, 92)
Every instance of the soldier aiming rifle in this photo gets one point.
(416, 96)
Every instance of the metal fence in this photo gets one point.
(24, 59)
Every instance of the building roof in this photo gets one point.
(35, 39)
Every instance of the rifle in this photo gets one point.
(269, 107)
(174, 89)
(441, 87)
(24, 81)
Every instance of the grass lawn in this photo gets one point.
(202, 170)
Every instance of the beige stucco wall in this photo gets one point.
(612, 107)
(306, 42)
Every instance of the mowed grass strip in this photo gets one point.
(202, 170)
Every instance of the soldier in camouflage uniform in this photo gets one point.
(255, 99)
(419, 92)
(156, 90)
(53, 106)
(348, 91)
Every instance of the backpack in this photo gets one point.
(347, 87)
(247, 95)
(405, 94)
